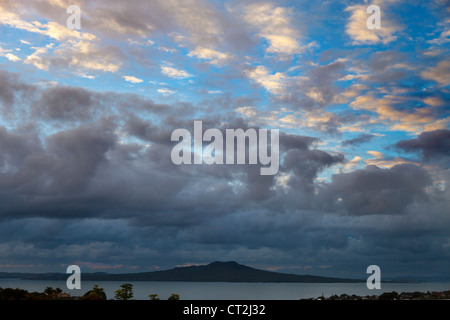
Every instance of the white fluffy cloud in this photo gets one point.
(8, 55)
(132, 79)
(275, 26)
(213, 56)
(274, 83)
(174, 73)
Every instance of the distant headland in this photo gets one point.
(217, 271)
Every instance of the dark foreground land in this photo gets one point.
(439, 295)
(126, 294)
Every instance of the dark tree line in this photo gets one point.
(96, 293)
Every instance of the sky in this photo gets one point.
(86, 118)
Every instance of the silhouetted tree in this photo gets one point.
(389, 296)
(126, 293)
(174, 296)
(53, 293)
(13, 294)
(95, 294)
(50, 292)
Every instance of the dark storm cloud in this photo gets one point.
(303, 162)
(65, 103)
(291, 141)
(380, 191)
(78, 153)
(130, 103)
(39, 181)
(81, 168)
(16, 146)
(305, 166)
(433, 145)
(361, 138)
(144, 130)
(12, 90)
(81, 171)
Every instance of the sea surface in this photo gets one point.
(228, 290)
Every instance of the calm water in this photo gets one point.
(225, 290)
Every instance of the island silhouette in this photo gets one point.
(217, 271)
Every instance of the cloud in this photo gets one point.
(66, 166)
(146, 131)
(87, 55)
(433, 145)
(79, 164)
(85, 169)
(8, 55)
(11, 91)
(440, 73)
(36, 58)
(386, 66)
(74, 49)
(174, 73)
(16, 146)
(357, 26)
(132, 79)
(444, 36)
(316, 90)
(361, 138)
(392, 103)
(12, 57)
(78, 56)
(433, 101)
(213, 56)
(275, 26)
(166, 91)
(352, 163)
(373, 190)
(291, 141)
(381, 160)
(305, 164)
(274, 83)
(388, 112)
(65, 103)
(304, 97)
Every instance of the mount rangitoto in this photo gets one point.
(214, 272)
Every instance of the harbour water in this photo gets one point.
(228, 290)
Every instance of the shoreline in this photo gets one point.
(393, 295)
